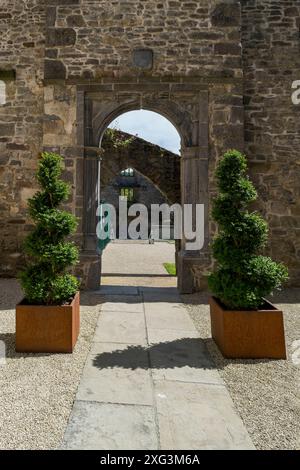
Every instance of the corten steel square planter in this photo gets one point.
(48, 328)
(248, 334)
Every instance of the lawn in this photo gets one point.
(170, 268)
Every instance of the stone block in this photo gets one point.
(124, 375)
(226, 15)
(75, 21)
(121, 327)
(4, 159)
(51, 53)
(60, 37)
(143, 58)
(205, 413)
(54, 69)
(98, 426)
(162, 315)
(7, 129)
(227, 48)
(50, 16)
(183, 360)
(64, 2)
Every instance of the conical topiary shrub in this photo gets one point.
(44, 280)
(243, 277)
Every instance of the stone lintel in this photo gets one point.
(196, 82)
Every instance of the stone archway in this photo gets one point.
(187, 109)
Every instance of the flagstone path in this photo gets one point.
(137, 263)
(148, 382)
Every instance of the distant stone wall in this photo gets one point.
(158, 165)
(143, 189)
(156, 177)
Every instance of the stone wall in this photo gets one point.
(144, 191)
(271, 62)
(96, 38)
(70, 66)
(158, 165)
(21, 68)
(163, 56)
(156, 178)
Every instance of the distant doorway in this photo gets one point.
(142, 172)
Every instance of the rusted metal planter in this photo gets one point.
(47, 329)
(248, 334)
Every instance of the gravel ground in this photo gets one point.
(265, 392)
(37, 391)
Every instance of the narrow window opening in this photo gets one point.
(127, 193)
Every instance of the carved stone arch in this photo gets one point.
(169, 109)
(186, 107)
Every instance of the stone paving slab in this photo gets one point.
(99, 426)
(121, 327)
(158, 335)
(118, 290)
(126, 304)
(149, 383)
(158, 293)
(183, 360)
(112, 376)
(166, 315)
(138, 281)
(198, 416)
(137, 258)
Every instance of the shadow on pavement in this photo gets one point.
(184, 352)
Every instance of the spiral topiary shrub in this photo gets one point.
(45, 280)
(243, 277)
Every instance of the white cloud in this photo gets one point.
(149, 126)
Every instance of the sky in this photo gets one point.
(149, 126)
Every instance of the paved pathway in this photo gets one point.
(149, 383)
(137, 263)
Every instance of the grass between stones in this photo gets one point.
(170, 268)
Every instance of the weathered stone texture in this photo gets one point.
(220, 71)
(158, 165)
(21, 51)
(182, 35)
(270, 38)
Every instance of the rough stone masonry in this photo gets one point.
(220, 71)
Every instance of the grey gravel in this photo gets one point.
(266, 393)
(37, 391)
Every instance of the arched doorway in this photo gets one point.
(189, 116)
(140, 163)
